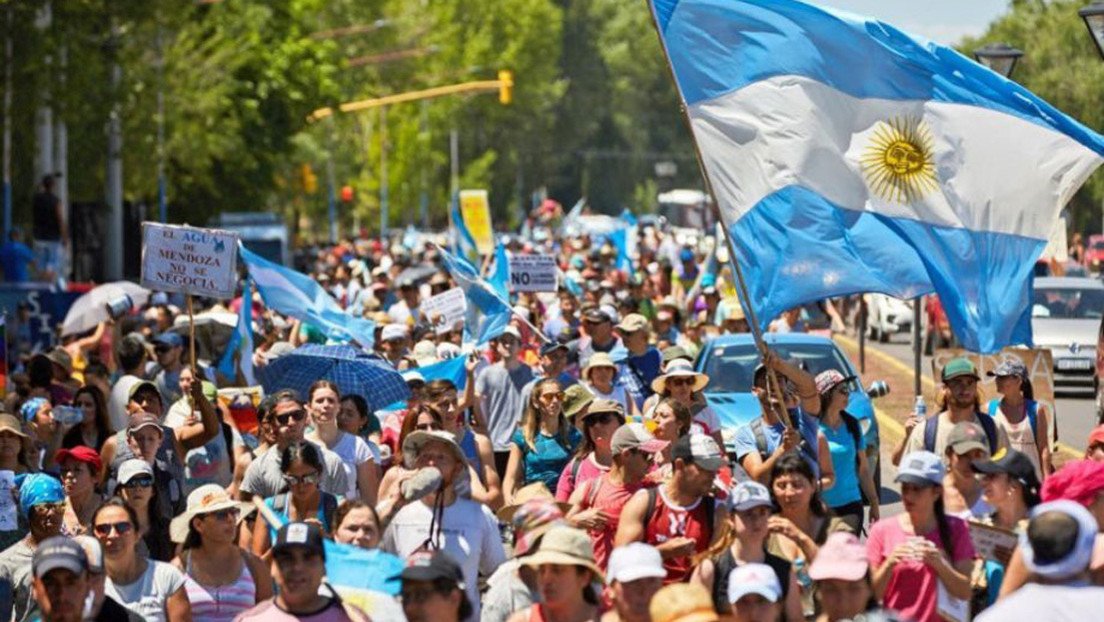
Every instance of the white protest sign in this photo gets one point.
(991, 542)
(189, 260)
(9, 520)
(445, 309)
(533, 273)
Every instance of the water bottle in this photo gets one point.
(802, 573)
(67, 415)
(920, 409)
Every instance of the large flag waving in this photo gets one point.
(482, 297)
(241, 342)
(847, 156)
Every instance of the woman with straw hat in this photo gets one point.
(600, 375)
(683, 384)
(566, 574)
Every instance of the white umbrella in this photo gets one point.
(91, 308)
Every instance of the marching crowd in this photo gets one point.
(575, 472)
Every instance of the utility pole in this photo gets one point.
(61, 145)
(331, 182)
(423, 195)
(113, 265)
(44, 115)
(7, 123)
(162, 183)
(384, 189)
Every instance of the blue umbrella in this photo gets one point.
(352, 370)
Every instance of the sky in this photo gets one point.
(943, 21)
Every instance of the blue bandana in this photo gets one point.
(38, 489)
(30, 408)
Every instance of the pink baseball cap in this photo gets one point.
(842, 557)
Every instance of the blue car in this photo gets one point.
(730, 361)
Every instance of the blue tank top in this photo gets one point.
(471, 452)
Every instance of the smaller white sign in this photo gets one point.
(533, 273)
(9, 520)
(445, 309)
(189, 260)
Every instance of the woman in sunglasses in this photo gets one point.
(543, 443)
(136, 487)
(682, 384)
(152, 589)
(594, 456)
(854, 481)
(221, 579)
(302, 466)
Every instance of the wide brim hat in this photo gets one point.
(680, 368)
(598, 359)
(203, 500)
(418, 439)
(9, 423)
(565, 546)
(537, 491)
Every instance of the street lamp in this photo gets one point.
(1000, 57)
(1094, 21)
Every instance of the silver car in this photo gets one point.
(1065, 318)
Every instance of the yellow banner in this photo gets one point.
(475, 209)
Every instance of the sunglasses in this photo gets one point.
(283, 419)
(104, 529)
(292, 480)
(680, 382)
(224, 514)
(139, 482)
(600, 419)
(552, 397)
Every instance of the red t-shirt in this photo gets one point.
(611, 499)
(912, 590)
(672, 521)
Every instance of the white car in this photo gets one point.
(1065, 318)
(887, 316)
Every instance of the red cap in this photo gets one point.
(80, 453)
(1096, 436)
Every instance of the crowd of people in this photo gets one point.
(575, 472)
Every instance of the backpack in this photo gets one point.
(932, 426)
(1031, 409)
(761, 440)
(653, 492)
(329, 506)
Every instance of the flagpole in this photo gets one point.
(742, 294)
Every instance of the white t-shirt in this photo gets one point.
(213, 463)
(470, 534)
(353, 452)
(618, 395)
(147, 596)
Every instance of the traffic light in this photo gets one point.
(506, 86)
(346, 194)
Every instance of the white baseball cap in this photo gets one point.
(393, 331)
(753, 579)
(633, 561)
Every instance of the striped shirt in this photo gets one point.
(220, 603)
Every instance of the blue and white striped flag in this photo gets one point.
(847, 156)
(241, 341)
(463, 243)
(297, 295)
(494, 309)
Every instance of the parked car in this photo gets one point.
(730, 361)
(886, 316)
(1094, 253)
(1065, 318)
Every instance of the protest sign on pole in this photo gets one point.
(533, 273)
(1040, 370)
(475, 209)
(445, 309)
(189, 260)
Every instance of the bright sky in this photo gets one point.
(943, 21)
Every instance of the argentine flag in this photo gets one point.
(847, 156)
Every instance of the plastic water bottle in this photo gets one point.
(920, 409)
(802, 573)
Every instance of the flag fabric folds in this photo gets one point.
(241, 342)
(482, 297)
(463, 243)
(296, 295)
(847, 156)
(499, 280)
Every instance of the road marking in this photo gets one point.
(894, 426)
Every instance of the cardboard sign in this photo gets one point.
(988, 539)
(533, 273)
(445, 309)
(475, 209)
(189, 260)
(1040, 369)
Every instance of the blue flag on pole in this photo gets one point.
(297, 295)
(241, 341)
(481, 296)
(463, 243)
(847, 156)
(499, 280)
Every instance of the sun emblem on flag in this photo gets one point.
(897, 163)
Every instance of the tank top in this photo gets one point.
(1020, 435)
(471, 452)
(220, 603)
(672, 521)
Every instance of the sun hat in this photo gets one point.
(203, 500)
(537, 491)
(632, 323)
(635, 436)
(425, 353)
(682, 602)
(698, 449)
(922, 468)
(8, 423)
(58, 356)
(418, 439)
(132, 468)
(576, 399)
(967, 436)
(747, 495)
(830, 379)
(674, 352)
(1009, 367)
(1043, 531)
(58, 552)
(633, 561)
(753, 579)
(80, 453)
(598, 359)
(602, 405)
(960, 366)
(565, 546)
(841, 557)
(680, 368)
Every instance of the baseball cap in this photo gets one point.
(632, 323)
(602, 405)
(747, 495)
(1049, 548)
(172, 340)
(967, 436)
(682, 602)
(58, 552)
(635, 436)
(425, 353)
(551, 347)
(674, 352)
(143, 385)
(1014, 463)
(699, 449)
(511, 331)
(922, 468)
(393, 332)
(431, 566)
(58, 356)
(596, 316)
(753, 579)
(141, 419)
(576, 399)
(830, 379)
(1009, 367)
(132, 468)
(635, 560)
(960, 366)
(80, 453)
(842, 557)
(93, 551)
(299, 534)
